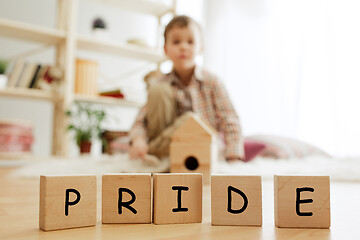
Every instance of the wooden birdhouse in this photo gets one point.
(193, 148)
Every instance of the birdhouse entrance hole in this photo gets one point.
(191, 163)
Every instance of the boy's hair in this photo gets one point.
(179, 21)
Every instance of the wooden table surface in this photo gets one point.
(19, 217)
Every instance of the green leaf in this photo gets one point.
(85, 120)
(3, 66)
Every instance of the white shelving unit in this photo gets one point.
(106, 100)
(125, 50)
(151, 7)
(29, 93)
(28, 32)
(66, 41)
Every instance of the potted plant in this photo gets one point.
(85, 121)
(3, 77)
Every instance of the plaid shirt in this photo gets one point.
(206, 96)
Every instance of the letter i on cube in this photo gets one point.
(177, 198)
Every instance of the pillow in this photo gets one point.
(252, 149)
(283, 147)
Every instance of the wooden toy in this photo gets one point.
(177, 198)
(193, 148)
(236, 200)
(70, 201)
(126, 198)
(302, 201)
(67, 202)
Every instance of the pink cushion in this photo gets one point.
(280, 147)
(252, 149)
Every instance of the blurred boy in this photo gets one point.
(186, 90)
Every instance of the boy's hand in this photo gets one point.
(139, 148)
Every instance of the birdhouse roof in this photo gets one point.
(194, 128)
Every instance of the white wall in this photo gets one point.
(291, 67)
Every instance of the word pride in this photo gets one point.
(70, 201)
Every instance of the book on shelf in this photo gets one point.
(40, 76)
(49, 78)
(27, 75)
(33, 75)
(23, 69)
(15, 74)
(112, 93)
(10, 68)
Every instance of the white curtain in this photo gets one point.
(292, 67)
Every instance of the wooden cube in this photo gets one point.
(193, 147)
(302, 201)
(126, 198)
(193, 158)
(67, 202)
(236, 200)
(177, 198)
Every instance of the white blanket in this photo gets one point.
(346, 169)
